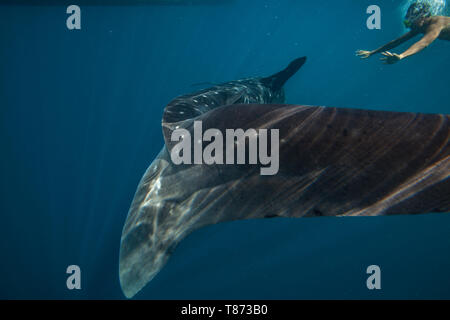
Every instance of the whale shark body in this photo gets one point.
(332, 162)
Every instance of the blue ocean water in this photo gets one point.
(80, 123)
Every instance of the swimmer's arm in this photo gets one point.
(395, 43)
(431, 35)
(388, 46)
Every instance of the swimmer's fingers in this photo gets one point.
(363, 54)
(390, 58)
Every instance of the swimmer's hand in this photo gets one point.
(391, 58)
(363, 54)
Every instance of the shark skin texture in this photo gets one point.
(332, 162)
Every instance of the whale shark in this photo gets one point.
(332, 162)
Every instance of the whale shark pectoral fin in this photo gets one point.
(332, 162)
(277, 81)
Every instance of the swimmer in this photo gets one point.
(421, 21)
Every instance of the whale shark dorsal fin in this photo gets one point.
(277, 81)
